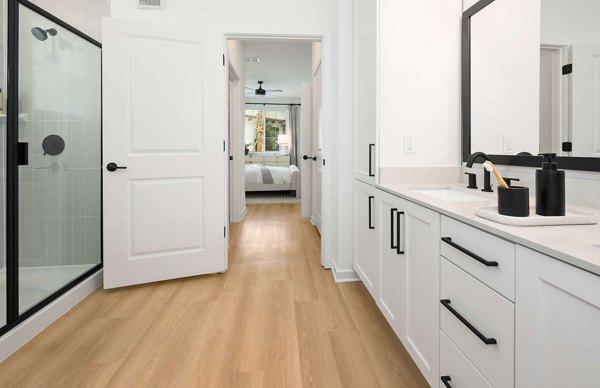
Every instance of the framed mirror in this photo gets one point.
(531, 81)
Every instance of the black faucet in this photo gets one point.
(487, 187)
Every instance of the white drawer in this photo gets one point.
(487, 312)
(468, 244)
(455, 366)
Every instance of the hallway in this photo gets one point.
(274, 319)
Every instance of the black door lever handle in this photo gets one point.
(113, 167)
(305, 157)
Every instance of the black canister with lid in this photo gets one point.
(550, 188)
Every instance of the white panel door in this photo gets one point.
(317, 138)
(306, 147)
(586, 100)
(420, 287)
(164, 119)
(557, 334)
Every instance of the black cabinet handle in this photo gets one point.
(480, 259)
(398, 232)
(113, 167)
(371, 198)
(484, 339)
(371, 146)
(446, 381)
(394, 210)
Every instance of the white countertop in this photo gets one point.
(578, 245)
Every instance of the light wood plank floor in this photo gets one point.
(276, 318)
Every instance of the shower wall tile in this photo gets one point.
(54, 241)
(66, 193)
(92, 242)
(26, 243)
(77, 150)
(92, 144)
(78, 177)
(66, 241)
(79, 240)
(53, 193)
(38, 186)
(40, 239)
(26, 194)
(92, 193)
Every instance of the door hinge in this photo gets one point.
(567, 69)
(223, 59)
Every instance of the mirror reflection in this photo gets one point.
(535, 78)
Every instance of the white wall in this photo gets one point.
(570, 22)
(505, 77)
(283, 18)
(419, 77)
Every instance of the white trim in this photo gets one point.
(344, 276)
(23, 333)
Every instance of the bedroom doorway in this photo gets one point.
(280, 122)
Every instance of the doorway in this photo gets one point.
(280, 148)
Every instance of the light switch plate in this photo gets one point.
(409, 145)
(507, 144)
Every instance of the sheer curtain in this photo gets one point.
(294, 118)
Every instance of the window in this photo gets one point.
(262, 128)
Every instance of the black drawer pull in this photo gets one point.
(480, 259)
(371, 146)
(484, 339)
(371, 198)
(398, 232)
(394, 210)
(446, 381)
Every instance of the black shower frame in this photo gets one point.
(13, 317)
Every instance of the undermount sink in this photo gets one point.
(451, 195)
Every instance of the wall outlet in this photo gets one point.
(507, 144)
(409, 145)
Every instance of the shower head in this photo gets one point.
(41, 34)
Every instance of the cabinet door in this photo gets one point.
(366, 253)
(389, 216)
(365, 90)
(420, 283)
(557, 323)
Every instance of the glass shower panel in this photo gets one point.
(60, 186)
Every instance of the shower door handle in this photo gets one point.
(113, 167)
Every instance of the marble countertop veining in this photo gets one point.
(578, 245)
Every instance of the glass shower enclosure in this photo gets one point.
(51, 148)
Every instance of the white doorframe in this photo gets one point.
(236, 166)
(562, 95)
(328, 184)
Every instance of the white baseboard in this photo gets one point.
(244, 211)
(344, 276)
(23, 333)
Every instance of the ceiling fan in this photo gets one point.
(262, 92)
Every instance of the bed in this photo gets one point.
(272, 178)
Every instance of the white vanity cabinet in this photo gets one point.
(366, 237)
(419, 287)
(390, 217)
(365, 85)
(557, 323)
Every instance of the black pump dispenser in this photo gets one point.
(550, 188)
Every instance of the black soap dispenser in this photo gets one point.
(550, 188)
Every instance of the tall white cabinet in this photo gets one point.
(365, 89)
(557, 323)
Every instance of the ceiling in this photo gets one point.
(283, 65)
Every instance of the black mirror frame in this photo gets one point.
(567, 163)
